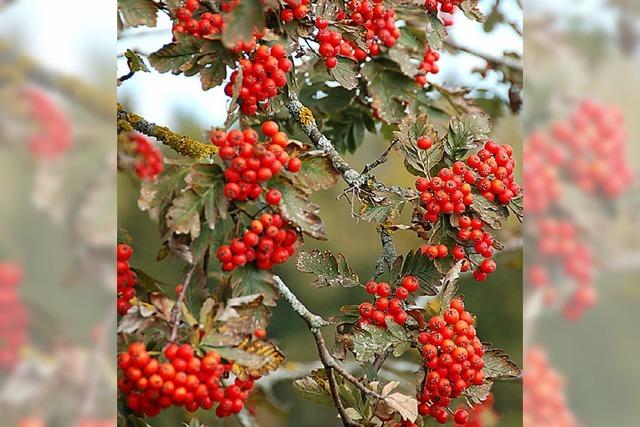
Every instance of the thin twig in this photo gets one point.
(176, 314)
(513, 65)
(125, 77)
(380, 160)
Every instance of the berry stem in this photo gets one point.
(176, 314)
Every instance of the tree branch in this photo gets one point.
(184, 145)
(304, 118)
(380, 160)
(315, 322)
(387, 255)
(176, 314)
(513, 65)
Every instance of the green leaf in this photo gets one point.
(465, 132)
(207, 181)
(418, 161)
(390, 89)
(178, 56)
(156, 196)
(296, 208)
(331, 270)
(491, 213)
(436, 32)
(477, 394)
(183, 217)
(316, 173)
(472, 11)
(135, 62)
(370, 340)
(315, 387)
(248, 280)
(135, 13)
(443, 233)
(346, 73)
(418, 265)
(248, 16)
(382, 207)
(497, 365)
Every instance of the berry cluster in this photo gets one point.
(268, 241)
(495, 165)
(445, 6)
(453, 362)
(206, 24)
(184, 380)
(558, 243)
(428, 65)
(150, 161)
(472, 231)
(13, 316)
(384, 307)
(377, 20)
(541, 173)
(332, 45)
(53, 135)
(593, 141)
(544, 402)
(447, 193)
(127, 279)
(295, 9)
(482, 414)
(250, 163)
(263, 74)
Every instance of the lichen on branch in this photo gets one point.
(184, 145)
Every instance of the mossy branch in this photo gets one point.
(184, 145)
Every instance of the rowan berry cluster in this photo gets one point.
(268, 241)
(249, 163)
(447, 193)
(558, 244)
(13, 316)
(295, 9)
(263, 74)
(593, 141)
(332, 45)
(453, 362)
(377, 20)
(384, 307)
(544, 401)
(540, 173)
(185, 379)
(445, 6)
(150, 161)
(495, 166)
(127, 279)
(472, 231)
(427, 66)
(188, 20)
(52, 136)
(481, 414)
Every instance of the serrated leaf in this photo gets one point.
(443, 233)
(404, 59)
(315, 387)
(242, 21)
(139, 317)
(255, 359)
(207, 181)
(436, 32)
(450, 285)
(381, 207)
(406, 406)
(316, 173)
(178, 56)
(156, 196)
(248, 280)
(472, 11)
(465, 132)
(213, 75)
(183, 217)
(346, 73)
(491, 213)
(418, 161)
(370, 340)
(242, 316)
(330, 270)
(296, 208)
(497, 365)
(477, 394)
(390, 89)
(418, 265)
(135, 13)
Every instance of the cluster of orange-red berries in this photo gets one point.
(199, 25)
(263, 74)
(495, 166)
(150, 161)
(185, 379)
(127, 279)
(268, 241)
(446, 6)
(447, 193)
(13, 315)
(250, 163)
(386, 307)
(453, 362)
(295, 9)
(378, 21)
(427, 66)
